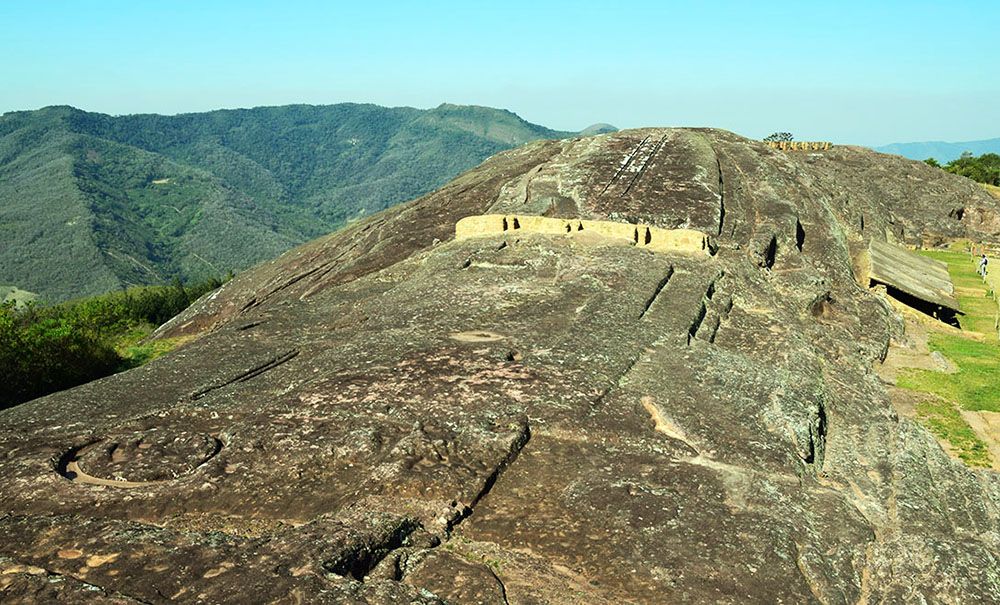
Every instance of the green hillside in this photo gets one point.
(91, 203)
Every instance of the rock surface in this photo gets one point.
(390, 415)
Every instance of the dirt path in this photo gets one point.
(913, 352)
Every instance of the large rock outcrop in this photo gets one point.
(390, 415)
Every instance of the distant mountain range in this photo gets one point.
(91, 203)
(941, 151)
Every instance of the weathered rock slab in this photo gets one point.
(391, 415)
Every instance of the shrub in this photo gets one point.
(48, 349)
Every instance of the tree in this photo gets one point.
(778, 136)
(932, 162)
(46, 349)
(984, 169)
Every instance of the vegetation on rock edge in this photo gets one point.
(982, 169)
(48, 349)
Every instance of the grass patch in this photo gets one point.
(943, 420)
(958, 245)
(991, 189)
(973, 295)
(134, 352)
(140, 354)
(976, 384)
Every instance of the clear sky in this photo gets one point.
(870, 72)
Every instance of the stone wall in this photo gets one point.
(686, 241)
(800, 145)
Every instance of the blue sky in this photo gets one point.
(851, 72)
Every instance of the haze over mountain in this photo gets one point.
(941, 151)
(91, 202)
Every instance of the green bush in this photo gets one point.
(47, 349)
(982, 169)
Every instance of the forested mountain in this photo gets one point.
(91, 202)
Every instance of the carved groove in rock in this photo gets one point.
(659, 288)
(138, 459)
(257, 370)
(696, 324)
(625, 164)
(645, 163)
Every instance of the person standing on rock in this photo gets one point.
(982, 265)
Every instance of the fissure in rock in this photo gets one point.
(359, 560)
(659, 288)
(722, 196)
(696, 324)
(247, 375)
(770, 253)
(817, 438)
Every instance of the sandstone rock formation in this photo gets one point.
(391, 415)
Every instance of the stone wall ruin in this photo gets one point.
(655, 239)
(800, 145)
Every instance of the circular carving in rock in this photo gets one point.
(139, 458)
(476, 336)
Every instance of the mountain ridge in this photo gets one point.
(942, 151)
(91, 202)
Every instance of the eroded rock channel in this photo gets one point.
(138, 459)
